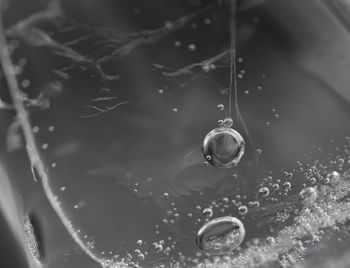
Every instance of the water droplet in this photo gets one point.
(175, 110)
(161, 91)
(259, 151)
(264, 191)
(225, 146)
(220, 235)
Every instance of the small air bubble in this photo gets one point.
(177, 43)
(207, 21)
(79, 205)
(25, 83)
(243, 210)
(192, 47)
(44, 146)
(264, 191)
(36, 129)
(221, 107)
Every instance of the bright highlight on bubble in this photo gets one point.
(221, 235)
(223, 147)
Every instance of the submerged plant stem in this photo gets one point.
(31, 147)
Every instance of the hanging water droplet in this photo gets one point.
(225, 146)
(221, 235)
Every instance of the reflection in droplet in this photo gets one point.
(225, 146)
(221, 235)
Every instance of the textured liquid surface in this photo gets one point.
(121, 141)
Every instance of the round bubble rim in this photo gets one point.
(224, 219)
(236, 135)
